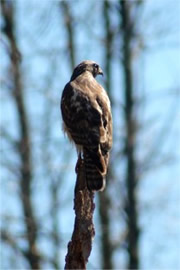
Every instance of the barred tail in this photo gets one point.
(95, 168)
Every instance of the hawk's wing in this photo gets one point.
(87, 121)
(82, 119)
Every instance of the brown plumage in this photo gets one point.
(87, 120)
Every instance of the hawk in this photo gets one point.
(87, 120)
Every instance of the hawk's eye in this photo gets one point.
(95, 66)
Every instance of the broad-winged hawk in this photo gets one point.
(86, 113)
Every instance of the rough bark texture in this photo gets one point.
(24, 140)
(127, 30)
(79, 248)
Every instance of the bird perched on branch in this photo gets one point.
(87, 120)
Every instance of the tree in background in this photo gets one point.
(104, 197)
(23, 146)
(126, 34)
(127, 30)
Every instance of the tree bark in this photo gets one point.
(79, 248)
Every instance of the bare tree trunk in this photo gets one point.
(104, 200)
(68, 21)
(131, 178)
(79, 248)
(54, 212)
(24, 141)
(108, 45)
(106, 246)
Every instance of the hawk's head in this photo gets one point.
(87, 65)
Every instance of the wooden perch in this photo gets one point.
(79, 248)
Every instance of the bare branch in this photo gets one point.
(68, 19)
(6, 237)
(79, 248)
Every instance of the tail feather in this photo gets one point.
(95, 168)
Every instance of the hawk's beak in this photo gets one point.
(100, 72)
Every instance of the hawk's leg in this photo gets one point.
(79, 163)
